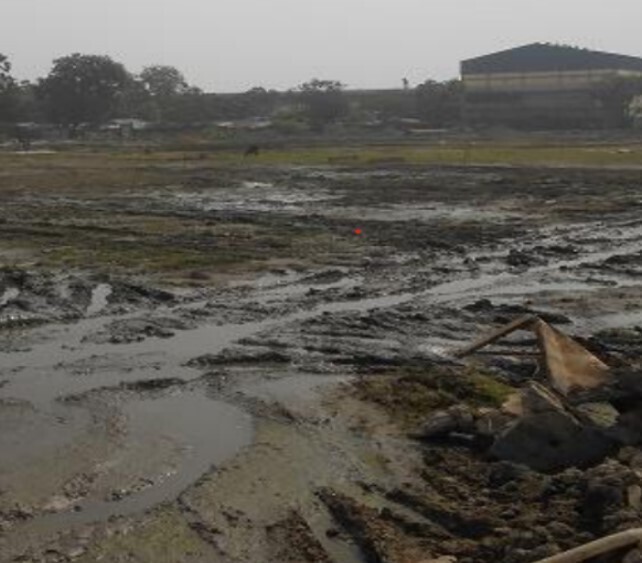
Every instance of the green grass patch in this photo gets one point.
(135, 167)
(409, 395)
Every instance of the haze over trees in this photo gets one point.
(324, 102)
(7, 90)
(439, 104)
(83, 89)
(88, 91)
(169, 96)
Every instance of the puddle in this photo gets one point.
(298, 291)
(626, 319)
(26, 431)
(206, 432)
(9, 295)
(251, 197)
(258, 185)
(292, 389)
(175, 351)
(99, 299)
(394, 213)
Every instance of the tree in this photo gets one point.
(615, 96)
(259, 102)
(324, 102)
(163, 81)
(192, 106)
(135, 101)
(27, 105)
(83, 89)
(172, 97)
(439, 103)
(5, 71)
(8, 91)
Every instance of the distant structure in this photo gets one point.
(540, 85)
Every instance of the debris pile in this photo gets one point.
(576, 416)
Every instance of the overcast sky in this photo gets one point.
(232, 45)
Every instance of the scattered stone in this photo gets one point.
(145, 385)
(490, 422)
(505, 312)
(458, 418)
(602, 415)
(548, 437)
(634, 496)
(59, 504)
(634, 556)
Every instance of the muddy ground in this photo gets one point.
(206, 363)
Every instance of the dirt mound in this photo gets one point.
(482, 509)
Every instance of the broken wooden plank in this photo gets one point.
(524, 322)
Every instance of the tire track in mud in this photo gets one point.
(42, 376)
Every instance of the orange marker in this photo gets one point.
(358, 232)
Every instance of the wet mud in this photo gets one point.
(249, 389)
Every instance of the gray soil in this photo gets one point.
(235, 422)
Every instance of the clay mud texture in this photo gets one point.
(230, 364)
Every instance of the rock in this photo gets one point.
(634, 496)
(504, 472)
(515, 370)
(76, 552)
(560, 530)
(544, 551)
(632, 457)
(514, 405)
(482, 305)
(628, 382)
(490, 422)
(441, 423)
(634, 556)
(58, 504)
(505, 312)
(604, 502)
(602, 415)
(509, 514)
(537, 399)
(548, 437)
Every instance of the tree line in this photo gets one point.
(83, 90)
(89, 90)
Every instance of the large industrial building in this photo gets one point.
(541, 85)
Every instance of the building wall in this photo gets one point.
(536, 99)
(533, 110)
(540, 81)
